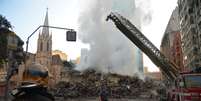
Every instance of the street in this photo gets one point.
(96, 99)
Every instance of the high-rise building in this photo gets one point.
(171, 41)
(84, 57)
(129, 10)
(190, 24)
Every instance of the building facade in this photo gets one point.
(129, 10)
(55, 70)
(44, 57)
(63, 56)
(176, 51)
(44, 46)
(190, 24)
(171, 41)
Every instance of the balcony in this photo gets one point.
(191, 29)
(191, 3)
(199, 21)
(191, 9)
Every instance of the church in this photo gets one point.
(44, 57)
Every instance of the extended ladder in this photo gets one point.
(169, 69)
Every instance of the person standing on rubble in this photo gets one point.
(103, 93)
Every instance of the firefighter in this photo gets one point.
(103, 95)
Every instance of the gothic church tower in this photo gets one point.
(44, 46)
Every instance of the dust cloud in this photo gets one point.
(110, 50)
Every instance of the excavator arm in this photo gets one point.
(168, 69)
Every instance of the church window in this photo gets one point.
(41, 46)
(47, 46)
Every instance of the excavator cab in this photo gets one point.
(34, 82)
(35, 73)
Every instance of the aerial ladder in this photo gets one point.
(168, 68)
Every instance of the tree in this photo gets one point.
(4, 22)
(68, 64)
(9, 41)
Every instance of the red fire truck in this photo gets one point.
(184, 86)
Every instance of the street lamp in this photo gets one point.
(70, 36)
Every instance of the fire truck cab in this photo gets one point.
(187, 87)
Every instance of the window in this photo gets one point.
(47, 46)
(193, 81)
(41, 46)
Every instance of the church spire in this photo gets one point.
(45, 31)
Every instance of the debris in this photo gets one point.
(88, 83)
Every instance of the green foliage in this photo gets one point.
(3, 39)
(4, 22)
(3, 44)
(4, 30)
(1, 62)
(69, 64)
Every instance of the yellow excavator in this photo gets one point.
(35, 78)
(34, 84)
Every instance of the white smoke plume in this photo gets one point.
(144, 8)
(110, 50)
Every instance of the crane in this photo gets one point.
(168, 68)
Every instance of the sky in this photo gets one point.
(27, 15)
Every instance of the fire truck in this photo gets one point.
(185, 86)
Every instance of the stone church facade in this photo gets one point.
(44, 56)
(44, 46)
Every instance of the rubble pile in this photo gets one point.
(88, 83)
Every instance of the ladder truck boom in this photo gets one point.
(169, 69)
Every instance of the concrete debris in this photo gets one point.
(88, 84)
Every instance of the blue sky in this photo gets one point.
(27, 15)
(23, 15)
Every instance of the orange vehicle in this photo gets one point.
(34, 83)
(36, 74)
(180, 86)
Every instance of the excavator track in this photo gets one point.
(169, 69)
(32, 93)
